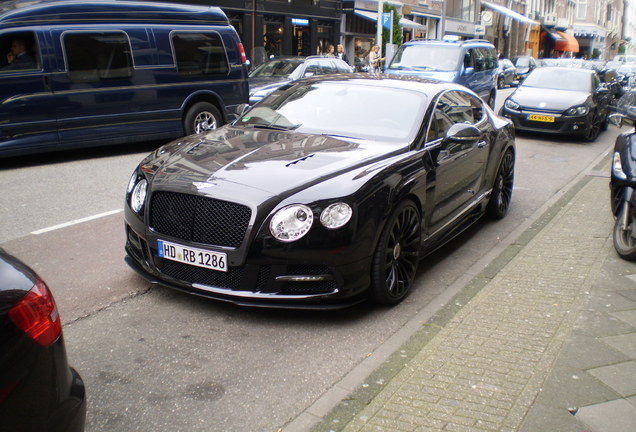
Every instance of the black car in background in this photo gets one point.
(506, 73)
(276, 72)
(524, 65)
(325, 193)
(39, 392)
(560, 100)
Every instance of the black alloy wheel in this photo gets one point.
(594, 129)
(625, 236)
(396, 255)
(501, 196)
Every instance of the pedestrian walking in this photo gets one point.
(375, 60)
(341, 54)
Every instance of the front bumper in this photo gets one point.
(560, 125)
(307, 281)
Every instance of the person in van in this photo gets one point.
(18, 57)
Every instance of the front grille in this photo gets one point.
(199, 219)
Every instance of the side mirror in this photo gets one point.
(469, 71)
(462, 133)
(616, 119)
(242, 109)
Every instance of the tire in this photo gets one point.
(625, 239)
(396, 255)
(594, 129)
(202, 117)
(501, 196)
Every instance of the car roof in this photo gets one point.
(476, 42)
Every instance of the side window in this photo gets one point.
(94, 57)
(341, 68)
(492, 58)
(480, 59)
(198, 53)
(453, 107)
(327, 67)
(19, 52)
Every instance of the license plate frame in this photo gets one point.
(541, 118)
(198, 257)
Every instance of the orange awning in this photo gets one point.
(570, 43)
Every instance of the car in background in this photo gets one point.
(560, 100)
(324, 194)
(272, 74)
(38, 389)
(472, 63)
(506, 73)
(524, 65)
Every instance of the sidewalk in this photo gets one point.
(545, 341)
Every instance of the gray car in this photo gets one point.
(274, 73)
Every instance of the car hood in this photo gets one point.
(439, 75)
(533, 97)
(255, 164)
(262, 83)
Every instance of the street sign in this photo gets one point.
(386, 20)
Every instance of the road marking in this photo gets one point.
(76, 221)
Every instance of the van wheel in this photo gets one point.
(202, 117)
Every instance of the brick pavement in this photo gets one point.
(483, 370)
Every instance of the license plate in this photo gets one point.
(192, 256)
(541, 118)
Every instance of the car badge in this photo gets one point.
(202, 185)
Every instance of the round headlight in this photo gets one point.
(510, 104)
(291, 223)
(138, 196)
(336, 215)
(131, 182)
(577, 111)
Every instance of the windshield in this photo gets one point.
(427, 57)
(342, 109)
(276, 68)
(560, 79)
(522, 62)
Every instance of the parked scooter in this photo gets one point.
(623, 178)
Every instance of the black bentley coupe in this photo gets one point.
(325, 193)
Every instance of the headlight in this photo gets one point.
(131, 182)
(138, 196)
(336, 215)
(617, 167)
(577, 111)
(291, 223)
(512, 105)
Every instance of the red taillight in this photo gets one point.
(242, 51)
(36, 315)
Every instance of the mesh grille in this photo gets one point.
(198, 275)
(199, 219)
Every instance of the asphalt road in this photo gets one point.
(158, 360)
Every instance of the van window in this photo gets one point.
(94, 57)
(19, 52)
(199, 53)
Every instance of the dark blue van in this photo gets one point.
(78, 74)
(472, 63)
